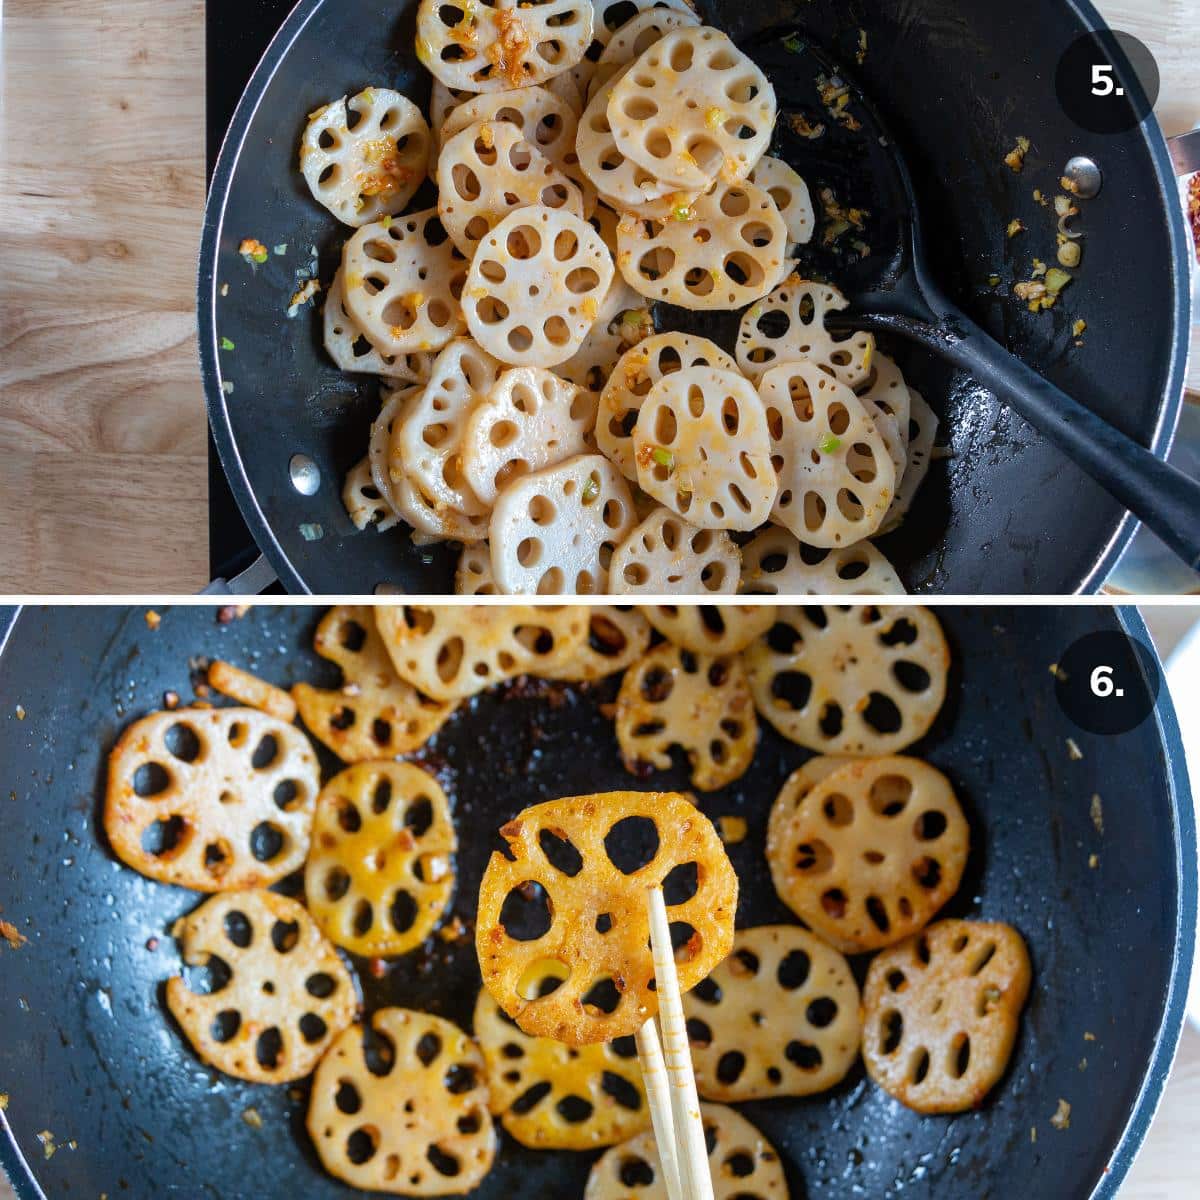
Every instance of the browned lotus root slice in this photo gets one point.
(632, 379)
(529, 420)
(618, 635)
(494, 45)
(215, 799)
(672, 697)
(553, 533)
(726, 250)
(536, 286)
(776, 564)
(625, 320)
(710, 628)
(870, 853)
(365, 507)
(288, 994)
(419, 1128)
(381, 869)
(474, 575)
(791, 196)
(374, 714)
(428, 438)
(779, 1017)
(789, 326)
(941, 1012)
(370, 169)
(923, 427)
(743, 1163)
(351, 351)
(693, 108)
(665, 555)
(854, 680)
(452, 653)
(597, 939)
(542, 118)
(885, 391)
(837, 478)
(402, 281)
(634, 38)
(555, 1097)
(624, 184)
(488, 171)
(703, 449)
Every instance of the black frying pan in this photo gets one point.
(958, 81)
(88, 1052)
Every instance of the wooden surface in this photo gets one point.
(102, 427)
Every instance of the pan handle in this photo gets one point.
(1185, 152)
(1162, 497)
(253, 581)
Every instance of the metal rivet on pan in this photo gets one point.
(306, 475)
(1085, 175)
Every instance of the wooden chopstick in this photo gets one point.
(685, 1143)
(654, 1077)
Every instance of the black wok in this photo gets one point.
(958, 81)
(88, 1053)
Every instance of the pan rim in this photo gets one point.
(220, 420)
(1158, 1066)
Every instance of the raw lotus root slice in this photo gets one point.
(789, 326)
(941, 1013)
(365, 507)
(693, 108)
(542, 118)
(703, 449)
(529, 420)
(452, 653)
(288, 994)
(672, 697)
(923, 428)
(570, 902)
(488, 171)
(836, 476)
(744, 1165)
(402, 282)
(374, 714)
(617, 637)
(553, 533)
(555, 1097)
(632, 379)
(634, 38)
(428, 438)
(474, 575)
(536, 286)
(211, 799)
(729, 250)
(624, 320)
(372, 169)
(711, 628)
(665, 555)
(381, 869)
(379, 453)
(498, 45)
(779, 1017)
(850, 680)
(868, 855)
(776, 564)
(622, 183)
(791, 196)
(350, 350)
(419, 1128)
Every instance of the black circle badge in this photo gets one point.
(1095, 84)
(1107, 682)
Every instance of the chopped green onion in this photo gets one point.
(830, 444)
(386, 221)
(664, 458)
(311, 533)
(682, 212)
(226, 344)
(260, 257)
(794, 44)
(591, 490)
(1056, 280)
(281, 250)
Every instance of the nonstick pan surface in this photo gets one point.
(88, 1052)
(958, 81)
